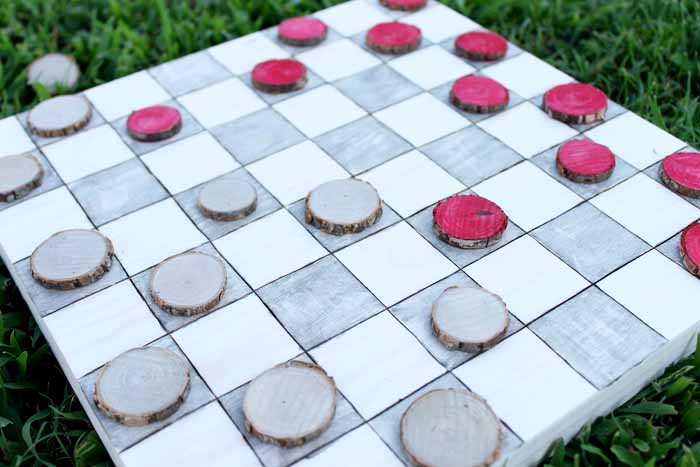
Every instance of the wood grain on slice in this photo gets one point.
(451, 428)
(479, 94)
(394, 38)
(227, 200)
(154, 123)
(302, 31)
(19, 175)
(690, 248)
(681, 173)
(53, 71)
(481, 46)
(142, 386)
(71, 259)
(469, 221)
(188, 284)
(290, 404)
(279, 76)
(404, 5)
(341, 207)
(575, 103)
(59, 116)
(584, 161)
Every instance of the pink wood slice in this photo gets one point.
(469, 221)
(394, 38)
(690, 248)
(404, 5)
(479, 94)
(584, 161)
(154, 123)
(481, 46)
(279, 76)
(302, 31)
(576, 103)
(681, 173)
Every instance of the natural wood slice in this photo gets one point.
(394, 38)
(227, 200)
(583, 161)
(54, 71)
(290, 404)
(71, 259)
(279, 76)
(59, 116)
(451, 428)
(142, 386)
(188, 284)
(154, 123)
(576, 103)
(479, 94)
(341, 207)
(302, 31)
(469, 221)
(681, 173)
(19, 175)
(690, 248)
(481, 46)
(404, 5)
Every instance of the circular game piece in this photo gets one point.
(279, 76)
(19, 175)
(154, 123)
(59, 116)
(583, 161)
(345, 206)
(681, 173)
(451, 428)
(394, 38)
(290, 404)
(470, 319)
(481, 46)
(54, 71)
(690, 248)
(575, 103)
(71, 259)
(188, 284)
(302, 31)
(479, 94)
(142, 386)
(469, 221)
(404, 5)
(227, 200)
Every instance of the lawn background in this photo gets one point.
(644, 53)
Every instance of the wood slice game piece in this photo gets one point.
(53, 71)
(279, 76)
(470, 319)
(290, 404)
(394, 38)
(188, 284)
(469, 221)
(451, 428)
(19, 175)
(341, 207)
(227, 200)
(479, 94)
(481, 46)
(302, 31)
(154, 123)
(681, 173)
(583, 161)
(71, 259)
(404, 5)
(690, 248)
(59, 116)
(142, 386)
(575, 103)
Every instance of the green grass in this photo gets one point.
(643, 53)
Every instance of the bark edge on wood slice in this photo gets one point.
(469, 221)
(451, 427)
(482, 46)
(59, 116)
(404, 5)
(19, 176)
(394, 38)
(302, 31)
(479, 94)
(681, 173)
(71, 258)
(227, 200)
(584, 161)
(689, 247)
(342, 207)
(275, 399)
(575, 103)
(279, 76)
(154, 123)
(54, 70)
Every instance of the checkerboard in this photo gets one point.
(591, 273)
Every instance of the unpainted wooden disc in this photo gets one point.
(71, 259)
(227, 200)
(343, 206)
(188, 284)
(59, 116)
(290, 404)
(54, 70)
(451, 428)
(19, 175)
(690, 248)
(142, 386)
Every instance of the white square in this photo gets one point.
(528, 196)
(352, 17)
(527, 129)
(24, 226)
(216, 344)
(525, 383)
(269, 248)
(120, 97)
(242, 54)
(529, 278)
(395, 263)
(422, 119)
(14, 139)
(387, 364)
(636, 140)
(338, 59)
(527, 75)
(658, 291)
(222, 102)
(320, 110)
(189, 162)
(205, 437)
(411, 182)
(98, 328)
(440, 22)
(87, 152)
(647, 209)
(431, 67)
(290, 174)
(147, 237)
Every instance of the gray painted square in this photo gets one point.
(361, 40)
(314, 82)
(50, 181)
(377, 88)
(653, 172)
(670, 249)
(189, 73)
(443, 94)
(271, 33)
(513, 50)
(597, 337)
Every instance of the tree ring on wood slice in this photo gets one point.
(19, 175)
(404, 5)
(188, 284)
(583, 161)
(227, 200)
(690, 248)
(481, 46)
(279, 76)
(53, 71)
(394, 38)
(451, 428)
(479, 94)
(59, 116)
(154, 123)
(71, 259)
(142, 386)
(341, 207)
(303, 31)
(469, 221)
(290, 404)
(681, 173)
(575, 103)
